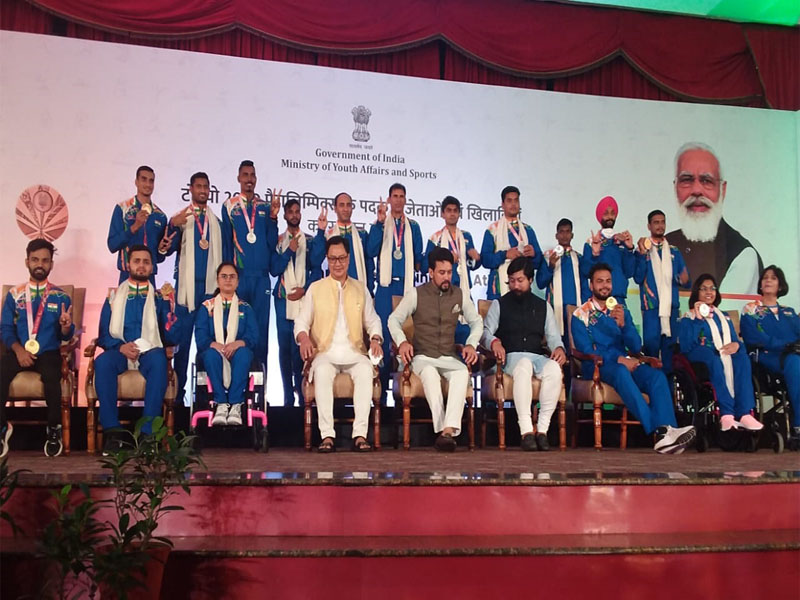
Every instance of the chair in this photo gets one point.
(343, 389)
(407, 387)
(595, 394)
(27, 386)
(130, 389)
(500, 385)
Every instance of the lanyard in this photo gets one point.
(249, 220)
(33, 326)
(514, 231)
(398, 238)
(204, 230)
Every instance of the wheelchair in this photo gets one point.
(777, 417)
(254, 415)
(696, 404)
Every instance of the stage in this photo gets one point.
(418, 524)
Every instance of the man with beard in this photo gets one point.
(397, 244)
(466, 258)
(506, 239)
(249, 238)
(196, 235)
(516, 329)
(362, 266)
(135, 322)
(613, 249)
(36, 318)
(659, 272)
(610, 334)
(436, 307)
(707, 242)
(137, 221)
(293, 263)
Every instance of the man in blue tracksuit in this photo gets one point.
(249, 238)
(659, 271)
(612, 249)
(396, 242)
(293, 264)
(135, 323)
(610, 333)
(137, 220)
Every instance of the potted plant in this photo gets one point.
(111, 545)
(146, 471)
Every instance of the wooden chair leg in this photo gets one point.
(598, 424)
(91, 434)
(307, 424)
(562, 421)
(406, 422)
(65, 422)
(376, 420)
(623, 438)
(170, 417)
(471, 424)
(501, 423)
(483, 425)
(99, 436)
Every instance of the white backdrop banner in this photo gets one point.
(80, 116)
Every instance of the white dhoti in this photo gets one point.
(323, 371)
(430, 371)
(523, 366)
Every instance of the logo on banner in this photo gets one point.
(361, 115)
(42, 213)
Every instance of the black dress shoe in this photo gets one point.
(542, 443)
(528, 442)
(445, 443)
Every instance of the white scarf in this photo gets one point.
(501, 228)
(443, 238)
(150, 335)
(295, 273)
(186, 272)
(662, 272)
(385, 266)
(233, 330)
(558, 295)
(356, 248)
(727, 362)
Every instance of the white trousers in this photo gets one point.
(430, 371)
(550, 374)
(323, 371)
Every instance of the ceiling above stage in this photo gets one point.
(771, 12)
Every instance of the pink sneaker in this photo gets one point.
(728, 422)
(750, 423)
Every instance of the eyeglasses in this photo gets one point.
(226, 276)
(708, 288)
(708, 182)
(338, 259)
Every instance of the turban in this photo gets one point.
(603, 205)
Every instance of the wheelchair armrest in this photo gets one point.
(648, 360)
(596, 359)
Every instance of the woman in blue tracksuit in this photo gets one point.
(707, 335)
(774, 331)
(226, 343)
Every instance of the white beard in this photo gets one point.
(700, 227)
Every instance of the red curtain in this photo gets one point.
(522, 43)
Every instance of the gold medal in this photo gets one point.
(32, 346)
(648, 243)
(611, 303)
(148, 208)
(203, 244)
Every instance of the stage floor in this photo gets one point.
(421, 466)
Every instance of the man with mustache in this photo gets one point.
(611, 334)
(517, 327)
(36, 318)
(708, 243)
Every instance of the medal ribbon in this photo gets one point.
(514, 231)
(204, 230)
(250, 221)
(398, 238)
(33, 326)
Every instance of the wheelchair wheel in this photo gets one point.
(729, 441)
(264, 441)
(750, 441)
(778, 443)
(702, 442)
(684, 395)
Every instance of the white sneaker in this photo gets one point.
(221, 415)
(5, 435)
(235, 414)
(675, 440)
